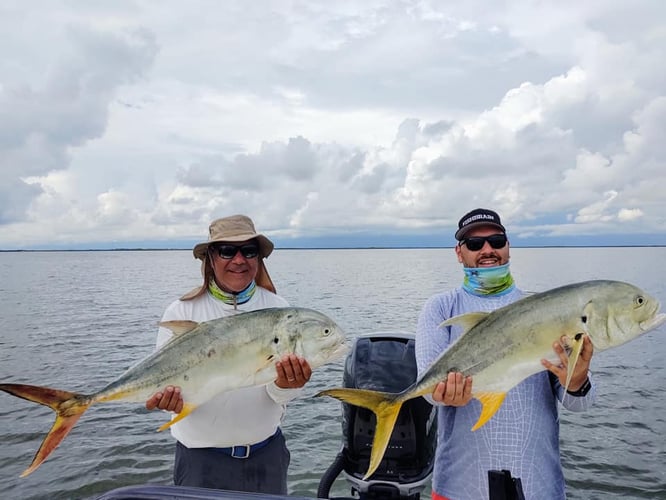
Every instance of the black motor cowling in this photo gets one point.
(386, 362)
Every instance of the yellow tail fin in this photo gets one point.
(491, 402)
(69, 407)
(385, 407)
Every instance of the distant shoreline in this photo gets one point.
(317, 248)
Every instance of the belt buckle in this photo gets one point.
(243, 451)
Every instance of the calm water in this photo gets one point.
(76, 320)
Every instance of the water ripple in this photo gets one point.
(93, 329)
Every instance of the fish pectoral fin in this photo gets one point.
(467, 321)
(187, 409)
(576, 345)
(490, 403)
(179, 327)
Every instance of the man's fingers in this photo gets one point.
(153, 401)
(588, 348)
(460, 386)
(171, 399)
(305, 369)
(467, 392)
(290, 368)
(292, 372)
(438, 393)
(455, 390)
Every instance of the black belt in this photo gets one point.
(245, 450)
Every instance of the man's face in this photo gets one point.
(487, 256)
(236, 273)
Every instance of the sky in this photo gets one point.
(349, 123)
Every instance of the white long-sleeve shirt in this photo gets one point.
(522, 437)
(242, 416)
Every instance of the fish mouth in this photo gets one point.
(340, 351)
(653, 322)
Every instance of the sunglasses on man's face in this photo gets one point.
(475, 243)
(249, 250)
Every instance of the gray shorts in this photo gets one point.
(264, 471)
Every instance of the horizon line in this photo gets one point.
(370, 247)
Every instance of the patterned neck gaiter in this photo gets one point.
(229, 297)
(488, 280)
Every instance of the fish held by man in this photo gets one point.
(502, 348)
(203, 359)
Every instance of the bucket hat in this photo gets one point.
(233, 229)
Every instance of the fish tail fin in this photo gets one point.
(386, 407)
(490, 403)
(387, 414)
(69, 407)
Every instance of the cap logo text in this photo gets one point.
(478, 217)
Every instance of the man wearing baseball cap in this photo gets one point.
(523, 436)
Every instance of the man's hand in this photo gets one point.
(292, 372)
(456, 390)
(582, 365)
(169, 399)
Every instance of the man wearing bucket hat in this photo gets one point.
(233, 442)
(523, 436)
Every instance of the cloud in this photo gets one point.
(41, 123)
(627, 215)
(141, 122)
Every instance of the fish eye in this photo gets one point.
(639, 300)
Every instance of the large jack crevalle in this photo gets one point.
(504, 347)
(204, 359)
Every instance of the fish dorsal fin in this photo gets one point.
(490, 403)
(179, 327)
(467, 321)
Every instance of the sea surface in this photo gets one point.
(77, 320)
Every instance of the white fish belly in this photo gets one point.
(507, 373)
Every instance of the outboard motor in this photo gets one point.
(384, 362)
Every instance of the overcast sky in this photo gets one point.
(131, 121)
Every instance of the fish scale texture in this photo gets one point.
(522, 437)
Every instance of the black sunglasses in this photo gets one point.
(249, 250)
(475, 243)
